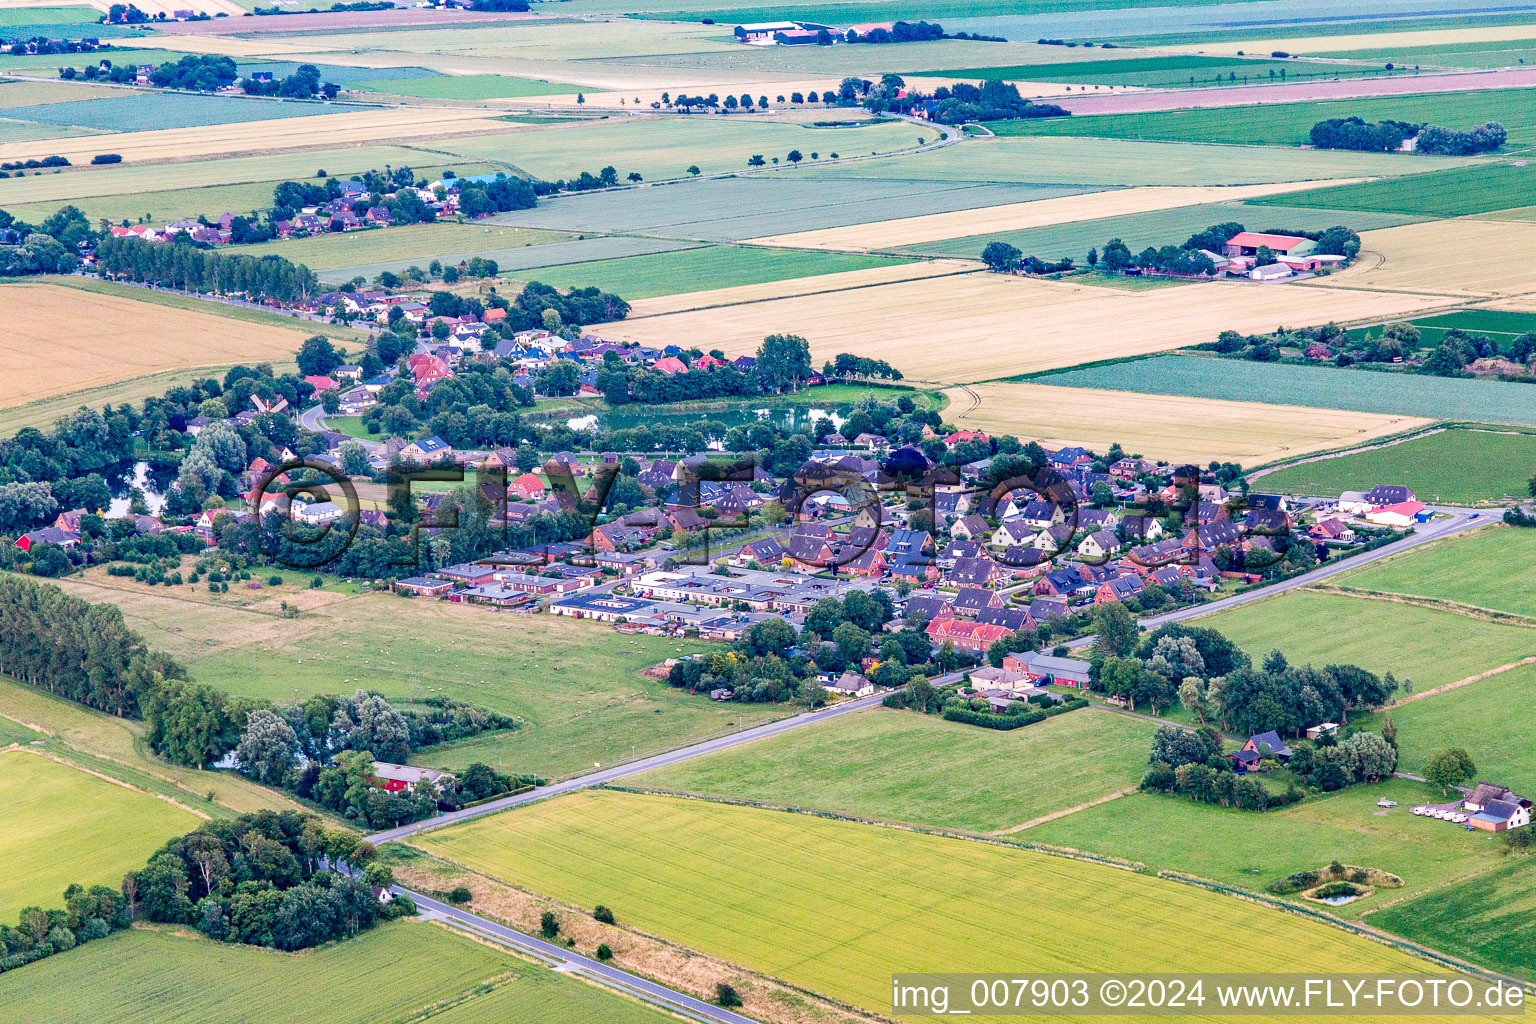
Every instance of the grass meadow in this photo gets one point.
(421, 243)
(63, 825)
(1449, 398)
(463, 87)
(402, 971)
(810, 900)
(902, 766)
(1489, 568)
(1424, 645)
(15, 732)
(692, 270)
(1458, 467)
(1251, 850)
(1489, 920)
(1478, 188)
(575, 685)
(1171, 70)
(1287, 124)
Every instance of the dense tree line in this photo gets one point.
(185, 265)
(1485, 138)
(88, 915)
(1355, 133)
(960, 102)
(262, 880)
(51, 247)
(900, 32)
(847, 366)
(198, 72)
(303, 84)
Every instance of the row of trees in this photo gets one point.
(179, 264)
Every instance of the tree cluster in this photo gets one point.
(900, 32)
(1354, 133)
(88, 915)
(186, 265)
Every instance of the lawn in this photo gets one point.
(1322, 386)
(1429, 647)
(419, 243)
(464, 87)
(1287, 124)
(837, 907)
(64, 826)
(1489, 920)
(1459, 467)
(1489, 568)
(403, 971)
(902, 766)
(1490, 719)
(576, 685)
(1478, 188)
(1251, 850)
(1156, 228)
(693, 270)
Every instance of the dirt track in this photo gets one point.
(1177, 99)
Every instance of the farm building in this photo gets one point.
(1404, 513)
(404, 778)
(1248, 243)
(1037, 667)
(762, 32)
(1495, 809)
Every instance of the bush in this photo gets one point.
(549, 927)
(726, 995)
(459, 894)
(274, 581)
(107, 158)
(1333, 889)
(603, 914)
(604, 953)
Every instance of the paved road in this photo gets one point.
(568, 961)
(1461, 520)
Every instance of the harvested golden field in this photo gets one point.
(800, 286)
(985, 326)
(60, 340)
(1460, 257)
(1364, 40)
(888, 234)
(1165, 426)
(364, 126)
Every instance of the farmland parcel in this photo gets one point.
(61, 340)
(960, 906)
(63, 826)
(1196, 429)
(1458, 467)
(1489, 920)
(993, 326)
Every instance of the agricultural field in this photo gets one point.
(64, 826)
(1252, 850)
(1489, 920)
(903, 766)
(1487, 718)
(1478, 188)
(419, 243)
(1157, 228)
(511, 262)
(1176, 429)
(1454, 257)
(148, 975)
(716, 266)
(1089, 161)
(461, 87)
(959, 905)
(1481, 55)
(1501, 326)
(1456, 467)
(1486, 568)
(886, 273)
(94, 350)
(980, 316)
(576, 686)
(1287, 124)
(1162, 71)
(137, 112)
(1322, 387)
(1428, 647)
(736, 208)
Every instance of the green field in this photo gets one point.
(1488, 568)
(1252, 850)
(63, 826)
(464, 87)
(1089, 161)
(1489, 718)
(1156, 228)
(1489, 920)
(519, 257)
(901, 766)
(403, 971)
(1458, 467)
(134, 112)
(1287, 124)
(1429, 647)
(1491, 54)
(1449, 193)
(15, 732)
(421, 243)
(1165, 71)
(16, 17)
(1501, 326)
(836, 906)
(1450, 398)
(576, 685)
(692, 270)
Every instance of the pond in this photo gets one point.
(150, 479)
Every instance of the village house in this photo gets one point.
(404, 778)
(850, 684)
(964, 634)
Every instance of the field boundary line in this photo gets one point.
(1362, 930)
(669, 944)
(1496, 670)
(1467, 611)
(1063, 813)
(117, 782)
(26, 724)
(802, 295)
